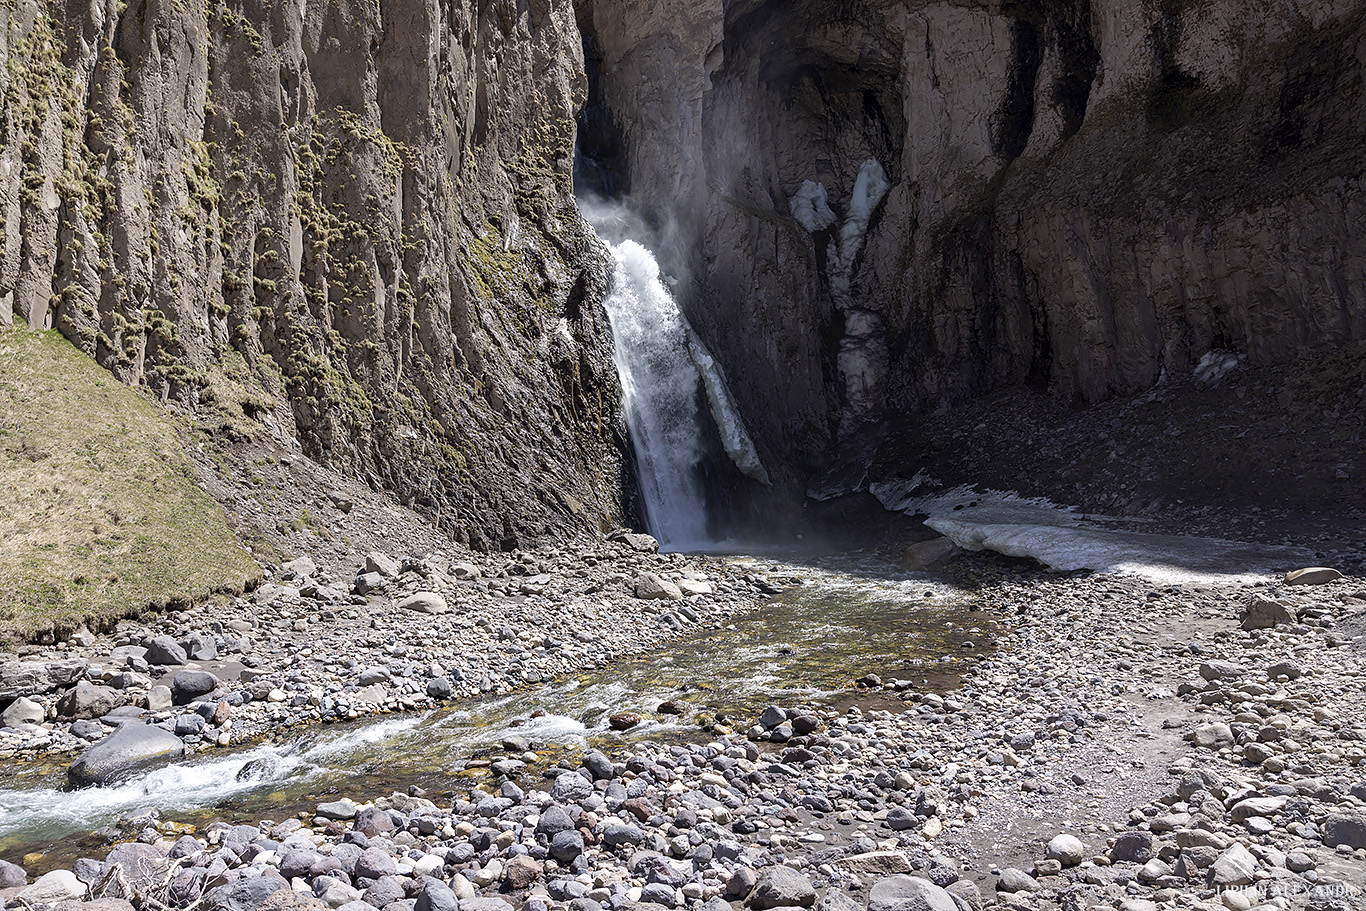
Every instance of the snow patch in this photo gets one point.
(1215, 365)
(811, 207)
(1066, 540)
(869, 189)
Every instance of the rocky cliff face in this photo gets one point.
(352, 221)
(1085, 195)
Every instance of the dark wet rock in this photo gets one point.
(165, 651)
(187, 686)
(132, 748)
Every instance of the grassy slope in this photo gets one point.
(100, 515)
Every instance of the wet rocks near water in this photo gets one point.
(132, 748)
(1129, 746)
(308, 648)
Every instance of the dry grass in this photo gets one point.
(100, 515)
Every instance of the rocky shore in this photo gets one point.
(400, 634)
(1128, 746)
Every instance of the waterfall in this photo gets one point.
(660, 384)
(672, 386)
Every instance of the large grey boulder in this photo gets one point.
(87, 700)
(1345, 829)
(1312, 575)
(22, 711)
(163, 650)
(187, 686)
(909, 893)
(244, 893)
(436, 896)
(12, 876)
(132, 748)
(28, 678)
(53, 888)
(1264, 613)
(782, 887)
(424, 603)
(650, 587)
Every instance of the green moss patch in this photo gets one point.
(100, 514)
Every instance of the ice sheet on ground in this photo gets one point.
(1063, 539)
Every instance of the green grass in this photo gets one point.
(100, 515)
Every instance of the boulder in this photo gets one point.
(140, 865)
(12, 876)
(52, 888)
(374, 863)
(1235, 867)
(521, 871)
(344, 808)
(302, 568)
(1134, 847)
(385, 565)
(200, 647)
(1066, 849)
(650, 587)
(424, 603)
(165, 651)
(159, 698)
(27, 678)
(924, 555)
(909, 893)
(87, 700)
(436, 896)
(1016, 880)
(1345, 829)
(187, 686)
(1313, 575)
(782, 887)
(245, 893)
(22, 711)
(132, 748)
(1264, 613)
(623, 721)
(640, 543)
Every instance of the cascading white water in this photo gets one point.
(660, 384)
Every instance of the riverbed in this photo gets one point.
(853, 616)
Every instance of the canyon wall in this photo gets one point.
(349, 224)
(1086, 196)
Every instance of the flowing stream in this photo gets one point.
(805, 647)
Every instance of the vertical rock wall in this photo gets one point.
(351, 220)
(1085, 195)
